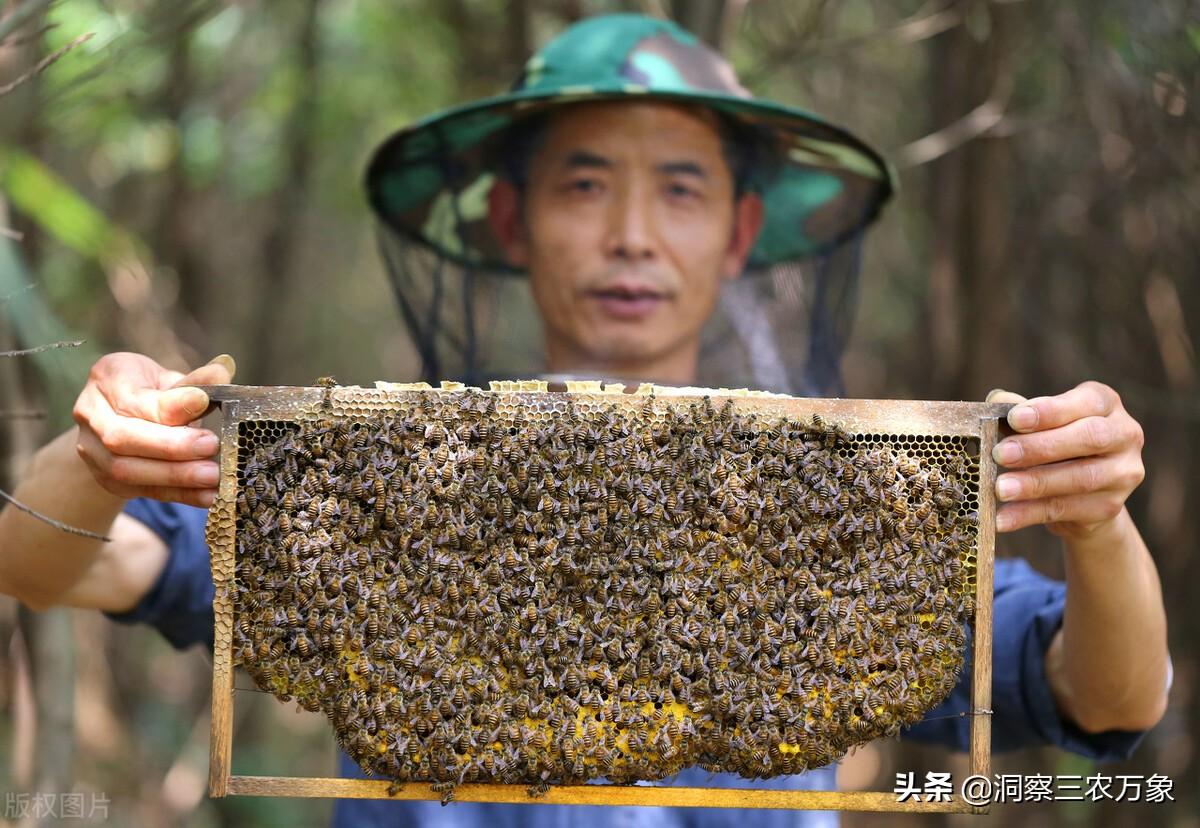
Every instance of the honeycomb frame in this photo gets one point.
(918, 427)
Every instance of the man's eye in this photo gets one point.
(680, 191)
(584, 185)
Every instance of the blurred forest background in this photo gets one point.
(187, 181)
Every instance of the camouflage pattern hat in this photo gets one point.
(430, 181)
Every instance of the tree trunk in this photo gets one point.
(170, 236)
(969, 308)
(516, 13)
(281, 245)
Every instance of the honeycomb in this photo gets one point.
(473, 589)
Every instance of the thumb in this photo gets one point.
(999, 395)
(173, 407)
(182, 402)
(218, 371)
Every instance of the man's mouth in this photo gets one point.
(627, 301)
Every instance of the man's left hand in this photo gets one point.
(1075, 459)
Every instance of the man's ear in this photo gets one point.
(507, 223)
(747, 222)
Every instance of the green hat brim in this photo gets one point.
(430, 181)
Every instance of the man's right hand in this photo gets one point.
(135, 431)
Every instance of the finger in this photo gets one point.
(173, 407)
(1089, 399)
(204, 498)
(164, 474)
(135, 386)
(1089, 474)
(999, 395)
(111, 435)
(1082, 509)
(1082, 438)
(218, 371)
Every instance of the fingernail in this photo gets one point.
(206, 444)
(1007, 488)
(1003, 521)
(988, 398)
(1023, 417)
(1006, 452)
(194, 401)
(208, 475)
(226, 361)
(207, 498)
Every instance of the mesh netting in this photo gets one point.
(781, 329)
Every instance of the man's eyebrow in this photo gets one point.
(587, 159)
(584, 158)
(683, 168)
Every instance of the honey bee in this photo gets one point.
(821, 537)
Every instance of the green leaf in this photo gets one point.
(42, 195)
(38, 192)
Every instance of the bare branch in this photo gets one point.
(921, 26)
(51, 521)
(9, 233)
(45, 63)
(22, 415)
(37, 350)
(979, 121)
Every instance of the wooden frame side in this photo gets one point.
(287, 402)
(980, 746)
(222, 531)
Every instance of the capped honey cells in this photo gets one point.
(481, 593)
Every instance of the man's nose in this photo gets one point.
(632, 235)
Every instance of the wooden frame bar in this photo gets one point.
(903, 417)
(220, 536)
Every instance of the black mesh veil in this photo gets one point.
(784, 328)
(781, 328)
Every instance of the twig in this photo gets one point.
(38, 349)
(22, 415)
(979, 121)
(119, 50)
(55, 523)
(921, 26)
(9, 233)
(45, 62)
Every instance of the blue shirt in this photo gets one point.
(1027, 610)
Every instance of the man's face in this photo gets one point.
(627, 228)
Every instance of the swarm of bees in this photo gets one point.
(474, 594)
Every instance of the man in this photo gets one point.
(622, 176)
